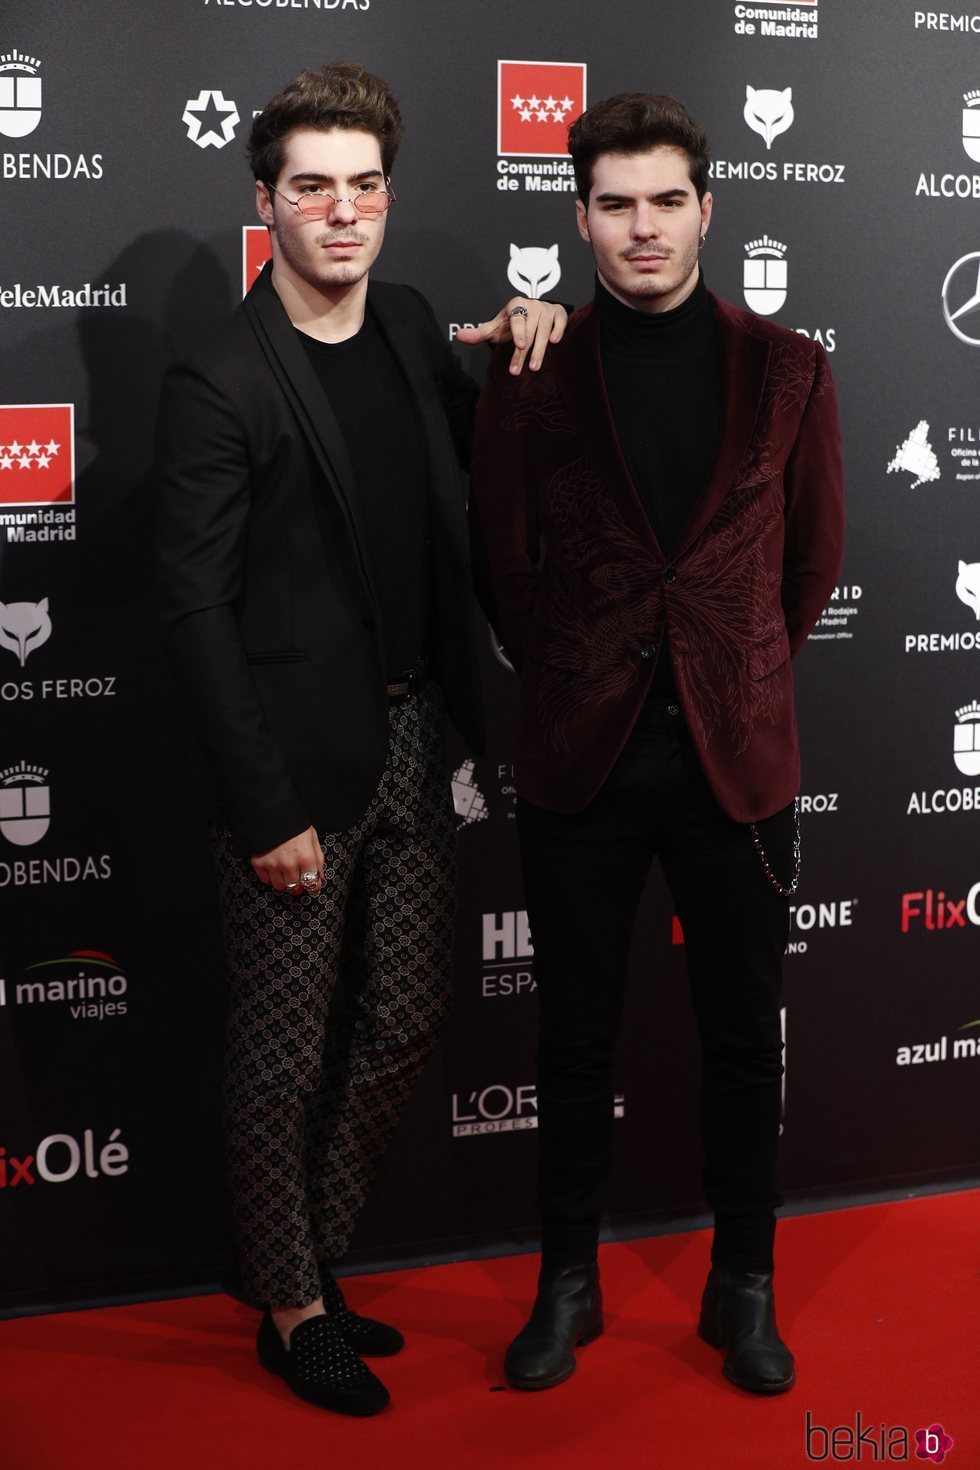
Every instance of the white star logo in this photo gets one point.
(567, 104)
(25, 461)
(6, 463)
(542, 114)
(52, 447)
(34, 447)
(15, 448)
(225, 114)
(534, 102)
(526, 114)
(550, 103)
(517, 102)
(42, 461)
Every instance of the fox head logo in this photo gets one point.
(768, 113)
(24, 626)
(533, 270)
(968, 585)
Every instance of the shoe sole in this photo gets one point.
(539, 1383)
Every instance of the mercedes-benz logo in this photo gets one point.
(966, 276)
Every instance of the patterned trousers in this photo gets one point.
(336, 1000)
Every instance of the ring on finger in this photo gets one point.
(310, 881)
(294, 888)
(518, 311)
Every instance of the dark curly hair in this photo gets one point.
(635, 122)
(338, 95)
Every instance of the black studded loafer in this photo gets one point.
(321, 1368)
(367, 1337)
(738, 1313)
(567, 1314)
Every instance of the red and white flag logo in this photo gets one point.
(536, 102)
(256, 250)
(37, 453)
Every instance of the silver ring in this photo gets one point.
(518, 311)
(294, 888)
(310, 882)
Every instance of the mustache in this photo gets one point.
(334, 237)
(634, 250)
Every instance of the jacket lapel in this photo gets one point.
(446, 500)
(744, 363)
(296, 376)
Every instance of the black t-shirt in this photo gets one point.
(374, 408)
(662, 372)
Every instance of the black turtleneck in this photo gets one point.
(663, 379)
(662, 372)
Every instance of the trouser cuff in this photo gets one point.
(744, 1241)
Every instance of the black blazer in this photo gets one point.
(265, 583)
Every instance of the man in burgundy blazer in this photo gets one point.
(658, 525)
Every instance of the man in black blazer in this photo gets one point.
(316, 591)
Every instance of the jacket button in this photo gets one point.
(369, 623)
(673, 710)
(647, 651)
(670, 575)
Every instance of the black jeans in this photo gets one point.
(584, 873)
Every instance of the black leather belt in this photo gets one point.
(413, 681)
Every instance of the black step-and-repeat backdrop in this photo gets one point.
(846, 140)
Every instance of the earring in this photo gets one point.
(701, 242)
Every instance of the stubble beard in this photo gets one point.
(647, 287)
(318, 270)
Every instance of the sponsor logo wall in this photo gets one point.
(138, 235)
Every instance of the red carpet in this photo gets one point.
(880, 1305)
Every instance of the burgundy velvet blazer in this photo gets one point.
(580, 593)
